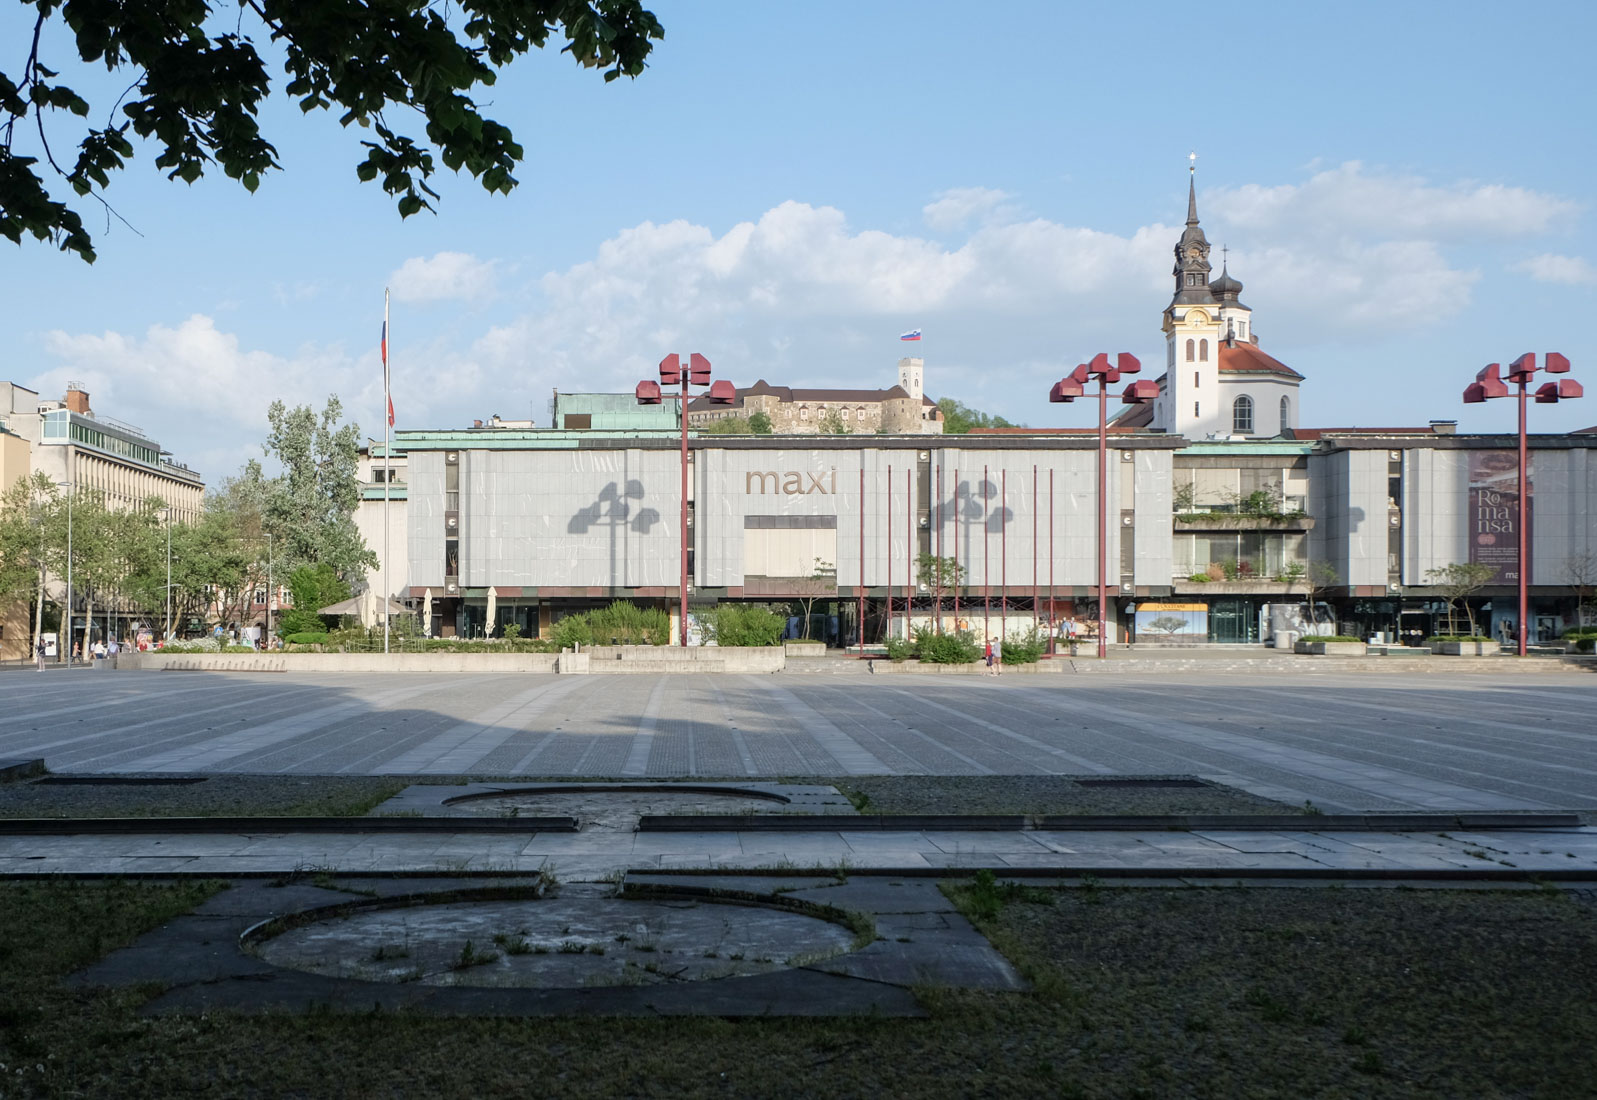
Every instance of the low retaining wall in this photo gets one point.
(349, 662)
(975, 668)
(636, 659)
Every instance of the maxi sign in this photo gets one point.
(1494, 513)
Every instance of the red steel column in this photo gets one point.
(937, 574)
(1524, 592)
(1103, 517)
(859, 627)
(1051, 632)
(909, 554)
(956, 550)
(682, 581)
(1003, 555)
(887, 623)
(986, 558)
(1036, 605)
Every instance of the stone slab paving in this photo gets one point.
(1346, 742)
(599, 856)
(216, 958)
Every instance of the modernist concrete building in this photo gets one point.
(1216, 498)
(73, 445)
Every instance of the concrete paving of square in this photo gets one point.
(1346, 742)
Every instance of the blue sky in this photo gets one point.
(1405, 190)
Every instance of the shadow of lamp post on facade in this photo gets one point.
(1066, 390)
(1489, 385)
(649, 392)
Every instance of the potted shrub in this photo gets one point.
(1460, 645)
(1331, 645)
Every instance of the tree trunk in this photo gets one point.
(38, 612)
(88, 620)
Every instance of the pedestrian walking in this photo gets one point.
(998, 656)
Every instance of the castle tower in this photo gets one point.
(911, 375)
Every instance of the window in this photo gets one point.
(1203, 351)
(804, 413)
(1286, 413)
(1195, 412)
(1242, 415)
(1197, 379)
(1190, 347)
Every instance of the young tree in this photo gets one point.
(1580, 571)
(832, 423)
(822, 581)
(939, 575)
(732, 425)
(1317, 577)
(760, 423)
(1457, 582)
(309, 510)
(198, 85)
(313, 586)
(32, 521)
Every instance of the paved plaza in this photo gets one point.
(1345, 742)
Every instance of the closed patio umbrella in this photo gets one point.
(493, 607)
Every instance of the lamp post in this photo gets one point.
(1067, 389)
(648, 392)
(1488, 385)
(168, 517)
(266, 642)
(66, 631)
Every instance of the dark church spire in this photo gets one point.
(1192, 250)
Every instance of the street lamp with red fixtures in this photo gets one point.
(1488, 385)
(672, 373)
(1067, 389)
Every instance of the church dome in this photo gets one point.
(1225, 286)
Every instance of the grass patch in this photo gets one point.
(1139, 992)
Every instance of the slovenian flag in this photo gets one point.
(912, 334)
(386, 396)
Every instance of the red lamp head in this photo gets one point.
(1554, 363)
(1098, 365)
(1140, 392)
(1079, 375)
(698, 370)
(648, 393)
(1126, 363)
(1523, 369)
(1547, 394)
(1066, 389)
(671, 370)
(723, 392)
(1475, 394)
(1568, 388)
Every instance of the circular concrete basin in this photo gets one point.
(569, 942)
(616, 807)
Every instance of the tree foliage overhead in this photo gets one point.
(959, 419)
(198, 80)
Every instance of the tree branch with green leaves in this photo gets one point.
(198, 80)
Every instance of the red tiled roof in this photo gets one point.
(1239, 357)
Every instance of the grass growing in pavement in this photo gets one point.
(217, 796)
(1153, 993)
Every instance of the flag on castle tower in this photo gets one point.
(912, 334)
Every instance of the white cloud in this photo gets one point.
(1349, 201)
(193, 388)
(955, 207)
(446, 276)
(1550, 267)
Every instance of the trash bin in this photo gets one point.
(1286, 639)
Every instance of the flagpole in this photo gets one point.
(388, 467)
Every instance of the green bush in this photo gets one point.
(1575, 633)
(956, 648)
(624, 623)
(571, 631)
(1329, 638)
(1434, 638)
(1200, 578)
(900, 650)
(306, 637)
(1586, 644)
(732, 624)
(1025, 649)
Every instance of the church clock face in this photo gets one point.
(1194, 253)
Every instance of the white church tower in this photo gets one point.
(1217, 381)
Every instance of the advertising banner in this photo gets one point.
(1172, 622)
(1494, 512)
